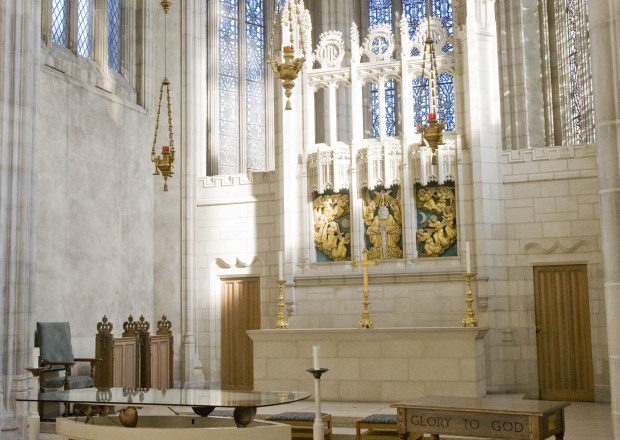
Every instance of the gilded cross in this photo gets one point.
(365, 320)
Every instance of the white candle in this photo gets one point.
(467, 259)
(315, 356)
(280, 266)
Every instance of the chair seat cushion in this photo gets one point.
(75, 382)
(294, 416)
(380, 419)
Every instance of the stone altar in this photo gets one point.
(374, 365)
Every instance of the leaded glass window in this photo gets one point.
(241, 86)
(255, 84)
(421, 103)
(85, 28)
(60, 21)
(229, 87)
(571, 24)
(114, 35)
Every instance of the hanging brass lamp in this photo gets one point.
(164, 162)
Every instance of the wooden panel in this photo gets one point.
(161, 362)
(240, 312)
(104, 372)
(126, 362)
(563, 333)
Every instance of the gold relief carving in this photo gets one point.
(328, 237)
(383, 218)
(439, 230)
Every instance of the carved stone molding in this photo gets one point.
(549, 153)
(557, 246)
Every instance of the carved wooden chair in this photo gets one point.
(161, 355)
(56, 356)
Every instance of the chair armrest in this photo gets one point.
(93, 364)
(91, 360)
(45, 363)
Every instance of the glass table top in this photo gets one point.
(171, 397)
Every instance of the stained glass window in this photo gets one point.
(85, 28)
(60, 20)
(380, 12)
(241, 86)
(446, 100)
(415, 10)
(114, 35)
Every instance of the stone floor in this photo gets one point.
(584, 420)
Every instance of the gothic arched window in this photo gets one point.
(241, 121)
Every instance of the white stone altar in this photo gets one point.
(170, 427)
(373, 365)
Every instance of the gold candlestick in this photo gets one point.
(282, 321)
(469, 320)
(365, 320)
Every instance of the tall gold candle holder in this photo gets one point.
(282, 321)
(469, 320)
(365, 320)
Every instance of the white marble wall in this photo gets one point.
(550, 196)
(95, 211)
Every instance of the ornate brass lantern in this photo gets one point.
(432, 130)
(287, 71)
(164, 162)
(287, 13)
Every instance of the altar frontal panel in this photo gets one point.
(373, 365)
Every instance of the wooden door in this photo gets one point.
(563, 333)
(240, 312)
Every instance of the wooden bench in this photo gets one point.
(480, 417)
(302, 423)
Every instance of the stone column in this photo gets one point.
(19, 76)
(480, 176)
(604, 20)
(193, 139)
